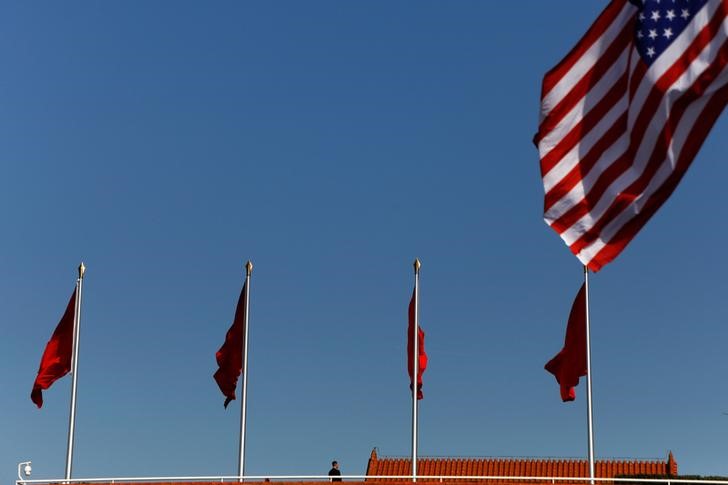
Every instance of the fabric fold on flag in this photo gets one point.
(570, 363)
(422, 356)
(624, 114)
(56, 360)
(230, 356)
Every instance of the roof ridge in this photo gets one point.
(533, 458)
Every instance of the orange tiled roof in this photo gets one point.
(519, 467)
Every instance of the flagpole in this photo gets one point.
(244, 390)
(415, 368)
(590, 421)
(74, 370)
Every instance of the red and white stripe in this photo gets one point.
(616, 136)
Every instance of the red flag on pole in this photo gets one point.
(570, 363)
(56, 360)
(422, 363)
(230, 356)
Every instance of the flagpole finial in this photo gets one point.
(417, 265)
(248, 268)
(81, 270)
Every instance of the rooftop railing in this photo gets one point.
(369, 478)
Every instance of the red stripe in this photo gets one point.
(637, 75)
(600, 25)
(662, 141)
(695, 140)
(583, 87)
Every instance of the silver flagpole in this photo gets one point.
(74, 370)
(244, 390)
(415, 368)
(590, 422)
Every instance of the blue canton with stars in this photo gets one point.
(659, 22)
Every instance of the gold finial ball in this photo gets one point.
(81, 270)
(417, 265)
(249, 267)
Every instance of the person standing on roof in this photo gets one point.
(335, 473)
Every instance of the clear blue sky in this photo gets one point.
(165, 143)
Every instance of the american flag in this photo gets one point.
(624, 114)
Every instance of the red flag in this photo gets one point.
(570, 363)
(230, 356)
(56, 360)
(422, 364)
(624, 114)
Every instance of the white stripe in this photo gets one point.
(586, 62)
(722, 79)
(588, 253)
(634, 61)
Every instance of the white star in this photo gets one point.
(640, 34)
(655, 15)
(670, 15)
(641, 16)
(685, 13)
(652, 34)
(650, 52)
(667, 33)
